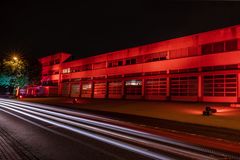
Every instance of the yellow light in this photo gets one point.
(15, 58)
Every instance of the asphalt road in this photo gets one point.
(45, 132)
(58, 143)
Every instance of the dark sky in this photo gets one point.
(91, 28)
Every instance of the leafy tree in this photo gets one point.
(18, 72)
(13, 73)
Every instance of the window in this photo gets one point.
(114, 76)
(99, 65)
(155, 57)
(188, 70)
(76, 69)
(178, 53)
(120, 63)
(57, 61)
(115, 63)
(99, 89)
(184, 86)
(110, 64)
(65, 90)
(86, 89)
(207, 49)
(224, 46)
(220, 67)
(87, 67)
(75, 90)
(133, 75)
(133, 87)
(218, 47)
(155, 73)
(156, 86)
(115, 88)
(220, 85)
(231, 45)
(128, 61)
(66, 70)
(131, 61)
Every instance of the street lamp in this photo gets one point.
(15, 58)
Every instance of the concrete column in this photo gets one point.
(238, 87)
(123, 89)
(200, 88)
(80, 89)
(143, 88)
(168, 97)
(60, 84)
(106, 93)
(92, 92)
(69, 89)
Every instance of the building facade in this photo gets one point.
(199, 67)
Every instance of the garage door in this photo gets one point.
(99, 90)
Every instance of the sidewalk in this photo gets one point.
(187, 112)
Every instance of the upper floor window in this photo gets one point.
(57, 61)
(66, 70)
(224, 46)
(207, 49)
(87, 67)
(115, 63)
(218, 47)
(99, 65)
(232, 45)
(155, 57)
(131, 61)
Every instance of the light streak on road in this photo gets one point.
(77, 122)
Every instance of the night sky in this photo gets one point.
(91, 28)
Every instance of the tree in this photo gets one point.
(13, 73)
(19, 71)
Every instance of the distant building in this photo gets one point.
(199, 67)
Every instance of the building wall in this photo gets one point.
(200, 67)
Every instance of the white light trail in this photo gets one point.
(42, 108)
(64, 119)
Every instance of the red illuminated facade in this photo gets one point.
(199, 67)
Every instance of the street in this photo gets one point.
(48, 132)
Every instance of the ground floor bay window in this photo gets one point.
(75, 90)
(115, 89)
(100, 90)
(156, 88)
(65, 89)
(220, 87)
(184, 88)
(133, 89)
(86, 90)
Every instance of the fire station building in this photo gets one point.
(199, 67)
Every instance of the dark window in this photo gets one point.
(233, 66)
(218, 68)
(57, 61)
(133, 61)
(120, 63)
(128, 61)
(87, 67)
(231, 45)
(207, 49)
(110, 64)
(218, 47)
